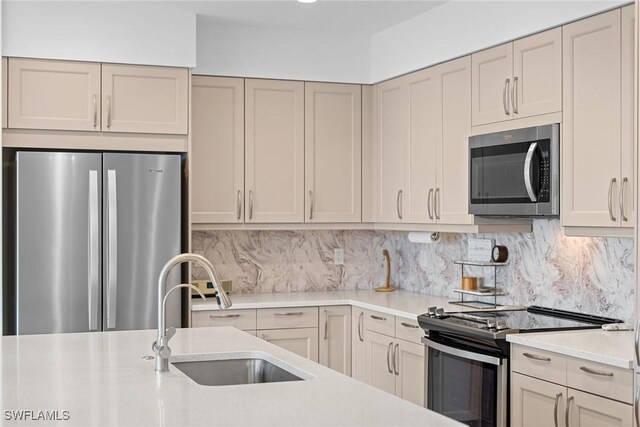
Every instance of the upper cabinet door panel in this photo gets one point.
(217, 149)
(537, 74)
(425, 128)
(58, 95)
(628, 112)
(274, 144)
(391, 112)
(4, 92)
(144, 99)
(491, 84)
(453, 150)
(333, 152)
(591, 121)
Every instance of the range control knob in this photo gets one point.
(491, 324)
(501, 325)
(439, 312)
(431, 311)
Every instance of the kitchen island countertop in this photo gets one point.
(102, 379)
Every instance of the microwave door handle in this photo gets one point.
(527, 172)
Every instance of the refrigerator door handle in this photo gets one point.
(94, 250)
(112, 248)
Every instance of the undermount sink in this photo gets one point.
(234, 371)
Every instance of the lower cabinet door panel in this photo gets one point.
(302, 341)
(533, 402)
(378, 367)
(588, 410)
(358, 348)
(335, 338)
(409, 369)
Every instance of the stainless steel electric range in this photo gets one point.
(467, 364)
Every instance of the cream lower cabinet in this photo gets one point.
(217, 150)
(553, 389)
(378, 366)
(335, 338)
(4, 92)
(274, 151)
(597, 140)
(302, 341)
(333, 152)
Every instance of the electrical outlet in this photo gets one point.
(338, 256)
(422, 260)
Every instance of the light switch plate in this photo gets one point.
(338, 256)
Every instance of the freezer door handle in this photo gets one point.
(94, 251)
(112, 248)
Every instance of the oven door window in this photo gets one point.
(463, 389)
(498, 173)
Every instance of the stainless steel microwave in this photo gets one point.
(515, 173)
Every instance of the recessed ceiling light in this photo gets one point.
(307, 1)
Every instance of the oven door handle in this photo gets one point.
(527, 171)
(462, 353)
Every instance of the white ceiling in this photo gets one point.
(331, 16)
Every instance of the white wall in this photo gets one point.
(113, 31)
(284, 54)
(457, 28)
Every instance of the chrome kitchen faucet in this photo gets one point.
(161, 344)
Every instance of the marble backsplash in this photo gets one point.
(591, 275)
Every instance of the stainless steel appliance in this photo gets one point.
(515, 173)
(93, 231)
(467, 365)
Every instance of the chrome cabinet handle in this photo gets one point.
(436, 203)
(224, 316)
(637, 342)
(555, 409)
(373, 316)
(388, 357)
(112, 248)
(536, 357)
(289, 313)
(239, 205)
(429, 199)
(566, 414)
(310, 204)
(326, 324)
(108, 111)
(504, 97)
(636, 405)
(399, 204)
(250, 204)
(622, 186)
(94, 250)
(528, 171)
(409, 325)
(396, 360)
(95, 110)
(360, 326)
(596, 371)
(514, 95)
(613, 181)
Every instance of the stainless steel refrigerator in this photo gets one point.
(93, 231)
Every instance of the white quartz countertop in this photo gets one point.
(101, 379)
(612, 348)
(399, 303)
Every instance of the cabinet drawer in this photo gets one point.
(541, 364)
(288, 317)
(381, 323)
(241, 319)
(597, 378)
(409, 330)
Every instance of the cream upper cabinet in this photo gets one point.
(451, 196)
(591, 141)
(274, 151)
(144, 99)
(4, 92)
(536, 402)
(409, 371)
(57, 95)
(425, 129)
(335, 338)
(358, 348)
(587, 410)
(628, 149)
(217, 150)
(519, 79)
(491, 85)
(333, 152)
(390, 112)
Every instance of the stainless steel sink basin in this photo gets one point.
(249, 370)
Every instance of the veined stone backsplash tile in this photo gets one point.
(591, 275)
